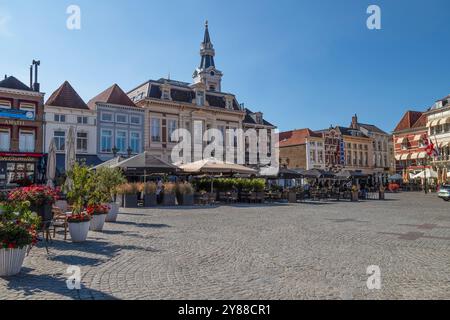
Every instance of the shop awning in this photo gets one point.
(415, 156)
(401, 140)
(444, 121)
(398, 157)
(422, 155)
(147, 163)
(406, 156)
(215, 166)
(433, 123)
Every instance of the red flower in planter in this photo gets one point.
(97, 209)
(78, 218)
(36, 195)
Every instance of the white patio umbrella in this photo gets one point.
(51, 163)
(427, 173)
(70, 154)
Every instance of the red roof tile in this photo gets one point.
(112, 95)
(408, 120)
(296, 137)
(66, 96)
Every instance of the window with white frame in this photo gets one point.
(136, 120)
(135, 142)
(106, 117)
(121, 118)
(5, 104)
(121, 141)
(59, 117)
(82, 142)
(26, 140)
(156, 130)
(172, 126)
(82, 120)
(106, 140)
(5, 139)
(60, 140)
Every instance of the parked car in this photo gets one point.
(444, 192)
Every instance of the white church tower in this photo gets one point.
(207, 73)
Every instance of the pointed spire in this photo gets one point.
(207, 38)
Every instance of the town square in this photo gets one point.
(297, 251)
(146, 156)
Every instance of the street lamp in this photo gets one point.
(115, 150)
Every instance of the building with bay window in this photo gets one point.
(65, 109)
(21, 132)
(120, 124)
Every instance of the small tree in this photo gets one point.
(107, 180)
(81, 187)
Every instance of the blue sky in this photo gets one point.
(302, 63)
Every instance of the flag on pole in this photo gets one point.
(430, 147)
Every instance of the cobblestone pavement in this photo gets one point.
(299, 251)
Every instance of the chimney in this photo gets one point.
(36, 86)
(355, 122)
(6, 76)
(31, 77)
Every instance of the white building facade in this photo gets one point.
(65, 109)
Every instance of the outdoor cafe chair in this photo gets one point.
(59, 221)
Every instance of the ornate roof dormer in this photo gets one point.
(207, 73)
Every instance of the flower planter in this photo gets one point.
(97, 222)
(292, 197)
(79, 231)
(186, 200)
(11, 261)
(150, 200)
(169, 199)
(113, 212)
(130, 201)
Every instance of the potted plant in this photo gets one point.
(355, 193)
(18, 234)
(185, 194)
(108, 180)
(129, 192)
(169, 194)
(79, 224)
(98, 213)
(41, 199)
(149, 192)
